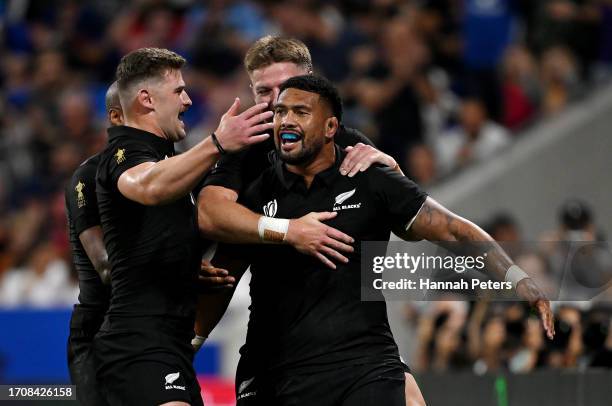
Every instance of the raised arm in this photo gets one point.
(435, 223)
(93, 243)
(156, 183)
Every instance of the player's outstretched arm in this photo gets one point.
(437, 224)
(222, 218)
(361, 156)
(93, 243)
(157, 183)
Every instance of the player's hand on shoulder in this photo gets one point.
(361, 156)
(527, 290)
(309, 235)
(236, 131)
(211, 277)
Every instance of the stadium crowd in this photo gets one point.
(438, 84)
(485, 336)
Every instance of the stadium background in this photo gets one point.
(501, 109)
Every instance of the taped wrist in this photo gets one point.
(514, 275)
(272, 229)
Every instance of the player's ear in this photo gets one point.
(144, 98)
(115, 117)
(331, 127)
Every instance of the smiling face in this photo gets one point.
(265, 82)
(303, 124)
(170, 101)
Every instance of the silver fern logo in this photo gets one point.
(170, 378)
(343, 197)
(170, 381)
(245, 384)
(270, 208)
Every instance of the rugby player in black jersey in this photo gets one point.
(269, 62)
(91, 262)
(149, 220)
(311, 340)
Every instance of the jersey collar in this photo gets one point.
(158, 143)
(289, 179)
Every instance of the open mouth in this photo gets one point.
(290, 137)
(180, 117)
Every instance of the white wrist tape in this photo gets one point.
(514, 275)
(271, 229)
(197, 342)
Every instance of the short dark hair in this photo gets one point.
(575, 214)
(145, 63)
(271, 49)
(319, 85)
(111, 100)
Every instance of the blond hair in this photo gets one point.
(271, 49)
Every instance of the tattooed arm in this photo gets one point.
(437, 224)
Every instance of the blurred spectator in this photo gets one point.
(532, 343)
(330, 38)
(576, 223)
(520, 87)
(566, 23)
(597, 337)
(560, 80)
(488, 29)
(476, 138)
(604, 65)
(503, 227)
(421, 165)
(146, 24)
(486, 335)
(439, 23)
(439, 335)
(566, 347)
(387, 89)
(44, 282)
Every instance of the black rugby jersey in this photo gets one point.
(303, 315)
(154, 251)
(82, 213)
(238, 170)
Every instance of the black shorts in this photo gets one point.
(84, 324)
(352, 385)
(146, 362)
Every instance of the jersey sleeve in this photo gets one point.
(227, 172)
(252, 197)
(81, 201)
(122, 156)
(397, 196)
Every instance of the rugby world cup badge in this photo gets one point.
(269, 208)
